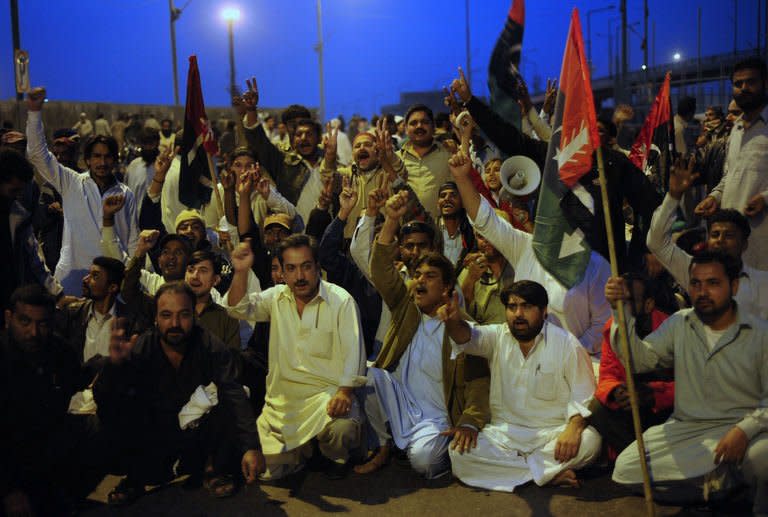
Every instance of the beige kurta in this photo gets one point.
(310, 357)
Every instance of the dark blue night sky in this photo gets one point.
(119, 50)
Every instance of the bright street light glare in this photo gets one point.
(643, 67)
(677, 56)
(230, 14)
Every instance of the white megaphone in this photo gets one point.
(520, 175)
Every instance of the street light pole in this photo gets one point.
(319, 49)
(175, 13)
(467, 41)
(590, 12)
(231, 15)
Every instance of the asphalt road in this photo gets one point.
(397, 490)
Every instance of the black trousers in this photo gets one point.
(616, 427)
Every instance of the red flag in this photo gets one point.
(579, 137)
(658, 116)
(198, 140)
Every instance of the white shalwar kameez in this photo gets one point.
(532, 399)
(412, 400)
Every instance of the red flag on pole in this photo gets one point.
(657, 118)
(198, 140)
(560, 246)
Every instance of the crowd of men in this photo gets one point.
(363, 295)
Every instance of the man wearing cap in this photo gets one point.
(82, 195)
(541, 383)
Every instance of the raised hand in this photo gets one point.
(523, 97)
(460, 87)
(682, 177)
(120, 344)
(326, 194)
(450, 308)
(451, 101)
(112, 204)
(147, 241)
(377, 198)
(36, 99)
(476, 265)
(163, 161)
(227, 179)
(460, 164)
(264, 187)
(246, 180)
(397, 205)
(251, 96)
(550, 96)
(331, 146)
(242, 256)
(347, 198)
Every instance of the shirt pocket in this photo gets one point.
(320, 343)
(543, 385)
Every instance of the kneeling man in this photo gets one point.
(541, 384)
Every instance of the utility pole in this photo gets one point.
(175, 13)
(16, 35)
(645, 35)
(319, 49)
(231, 36)
(735, 24)
(624, 64)
(468, 71)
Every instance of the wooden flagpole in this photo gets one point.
(216, 193)
(624, 343)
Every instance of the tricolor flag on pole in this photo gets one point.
(560, 247)
(503, 68)
(195, 182)
(655, 130)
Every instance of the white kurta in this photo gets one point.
(531, 399)
(310, 357)
(82, 204)
(582, 309)
(138, 176)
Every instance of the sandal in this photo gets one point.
(220, 487)
(125, 493)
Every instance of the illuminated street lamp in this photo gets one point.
(677, 56)
(231, 15)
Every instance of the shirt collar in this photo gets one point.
(110, 313)
(408, 148)
(322, 293)
(430, 323)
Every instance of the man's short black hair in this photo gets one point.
(439, 261)
(731, 265)
(609, 126)
(109, 141)
(202, 256)
(176, 237)
(114, 268)
(416, 227)
(729, 215)
(442, 119)
(530, 291)
(166, 120)
(175, 287)
(295, 111)
(420, 107)
(32, 294)
(751, 63)
(297, 240)
(686, 106)
(13, 164)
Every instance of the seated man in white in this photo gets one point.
(541, 384)
(718, 431)
(316, 359)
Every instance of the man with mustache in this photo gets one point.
(417, 397)
(458, 237)
(316, 359)
(717, 435)
(541, 383)
(146, 383)
(727, 230)
(425, 160)
(141, 171)
(744, 186)
(82, 196)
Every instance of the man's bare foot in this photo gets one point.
(566, 478)
(380, 459)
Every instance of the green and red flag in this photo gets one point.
(561, 247)
(195, 184)
(655, 131)
(503, 74)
